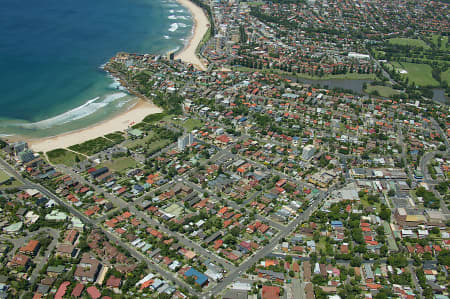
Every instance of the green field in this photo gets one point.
(348, 76)
(120, 164)
(445, 76)
(444, 40)
(11, 184)
(63, 156)
(420, 74)
(4, 176)
(384, 91)
(116, 137)
(154, 117)
(131, 144)
(92, 146)
(192, 124)
(157, 145)
(408, 42)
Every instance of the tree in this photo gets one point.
(444, 258)
(385, 213)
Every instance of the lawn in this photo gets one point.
(11, 184)
(192, 124)
(154, 117)
(384, 91)
(120, 164)
(92, 146)
(116, 137)
(408, 42)
(157, 145)
(348, 76)
(444, 40)
(131, 144)
(63, 156)
(420, 74)
(4, 176)
(445, 76)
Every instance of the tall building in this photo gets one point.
(308, 152)
(184, 141)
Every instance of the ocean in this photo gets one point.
(52, 50)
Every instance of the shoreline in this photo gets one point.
(140, 110)
(120, 122)
(200, 28)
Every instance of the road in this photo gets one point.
(90, 222)
(42, 260)
(143, 216)
(234, 272)
(414, 278)
(267, 249)
(424, 161)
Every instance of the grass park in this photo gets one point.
(408, 42)
(420, 74)
(383, 91)
(4, 177)
(92, 146)
(120, 164)
(192, 124)
(348, 76)
(63, 156)
(444, 40)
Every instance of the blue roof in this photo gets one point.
(201, 278)
(336, 223)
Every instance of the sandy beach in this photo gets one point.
(143, 108)
(118, 123)
(201, 25)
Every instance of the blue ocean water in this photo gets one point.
(51, 52)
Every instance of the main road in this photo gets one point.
(90, 222)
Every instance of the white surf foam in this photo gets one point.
(173, 27)
(122, 103)
(79, 112)
(182, 25)
(166, 37)
(174, 17)
(174, 50)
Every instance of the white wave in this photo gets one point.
(174, 17)
(173, 27)
(174, 50)
(182, 25)
(115, 85)
(166, 37)
(79, 112)
(122, 103)
(171, 11)
(180, 10)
